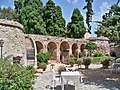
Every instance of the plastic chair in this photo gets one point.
(55, 78)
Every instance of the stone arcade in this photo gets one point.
(26, 46)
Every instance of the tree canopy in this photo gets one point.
(76, 28)
(6, 13)
(52, 16)
(89, 13)
(110, 25)
(29, 14)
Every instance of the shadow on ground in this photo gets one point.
(102, 78)
(66, 87)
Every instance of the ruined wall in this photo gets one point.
(27, 46)
(102, 45)
(14, 39)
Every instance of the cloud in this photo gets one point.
(72, 1)
(104, 8)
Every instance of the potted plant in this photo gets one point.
(86, 62)
(72, 60)
(79, 62)
(106, 63)
(42, 65)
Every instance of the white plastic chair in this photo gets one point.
(56, 78)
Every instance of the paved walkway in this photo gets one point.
(93, 80)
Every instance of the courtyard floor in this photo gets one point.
(94, 78)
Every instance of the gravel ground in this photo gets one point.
(93, 79)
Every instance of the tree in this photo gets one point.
(90, 46)
(52, 16)
(76, 28)
(89, 13)
(6, 13)
(110, 25)
(29, 14)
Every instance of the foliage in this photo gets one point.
(43, 57)
(98, 59)
(89, 13)
(29, 14)
(15, 77)
(79, 61)
(110, 25)
(72, 60)
(112, 54)
(42, 65)
(80, 54)
(98, 54)
(76, 28)
(105, 61)
(6, 13)
(54, 21)
(86, 61)
(90, 46)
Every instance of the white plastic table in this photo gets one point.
(69, 76)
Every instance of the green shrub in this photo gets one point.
(15, 77)
(98, 54)
(79, 61)
(42, 65)
(113, 54)
(72, 60)
(43, 57)
(86, 61)
(80, 54)
(105, 61)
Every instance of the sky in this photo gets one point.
(99, 6)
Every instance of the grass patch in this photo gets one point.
(98, 59)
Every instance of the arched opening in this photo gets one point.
(39, 46)
(52, 48)
(75, 50)
(82, 48)
(30, 51)
(64, 48)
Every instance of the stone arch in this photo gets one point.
(39, 46)
(82, 49)
(64, 51)
(30, 51)
(52, 48)
(75, 50)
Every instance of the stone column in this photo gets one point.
(70, 50)
(58, 53)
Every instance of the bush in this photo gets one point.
(98, 54)
(42, 65)
(43, 57)
(15, 77)
(86, 61)
(72, 60)
(105, 61)
(80, 54)
(113, 54)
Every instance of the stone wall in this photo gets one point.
(102, 45)
(16, 43)
(14, 40)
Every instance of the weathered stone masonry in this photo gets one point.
(27, 46)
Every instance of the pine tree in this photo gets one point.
(76, 28)
(30, 16)
(55, 23)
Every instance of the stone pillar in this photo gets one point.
(70, 50)
(58, 53)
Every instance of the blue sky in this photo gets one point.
(99, 6)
